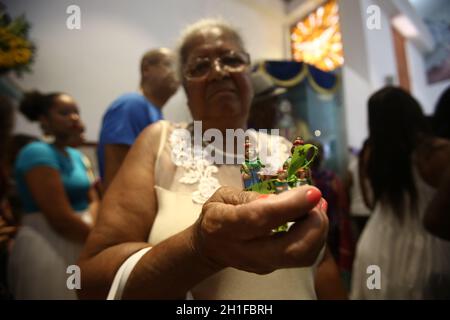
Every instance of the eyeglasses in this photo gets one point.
(231, 62)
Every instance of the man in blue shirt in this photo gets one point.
(128, 115)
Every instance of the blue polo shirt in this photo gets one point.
(124, 120)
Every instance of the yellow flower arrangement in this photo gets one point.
(16, 50)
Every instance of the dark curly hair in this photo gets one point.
(35, 104)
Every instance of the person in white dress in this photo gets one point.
(396, 257)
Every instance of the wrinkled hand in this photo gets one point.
(235, 229)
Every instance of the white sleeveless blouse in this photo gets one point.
(179, 206)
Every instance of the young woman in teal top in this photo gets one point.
(57, 197)
(70, 166)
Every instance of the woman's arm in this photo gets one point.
(328, 280)
(114, 156)
(127, 214)
(48, 192)
(125, 218)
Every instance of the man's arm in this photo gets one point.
(114, 156)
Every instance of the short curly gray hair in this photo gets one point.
(196, 28)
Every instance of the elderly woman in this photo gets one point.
(154, 240)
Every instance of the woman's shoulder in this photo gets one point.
(432, 158)
(161, 127)
(35, 148)
(36, 153)
(149, 139)
(154, 130)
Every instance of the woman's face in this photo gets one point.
(63, 120)
(220, 99)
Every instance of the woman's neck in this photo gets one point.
(60, 145)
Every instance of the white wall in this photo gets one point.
(356, 70)
(427, 94)
(369, 59)
(100, 61)
(380, 50)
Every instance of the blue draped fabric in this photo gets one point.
(291, 73)
(326, 80)
(283, 70)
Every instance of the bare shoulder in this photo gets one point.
(148, 141)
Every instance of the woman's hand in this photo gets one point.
(235, 229)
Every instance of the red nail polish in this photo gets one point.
(324, 205)
(313, 195)
(263, 196)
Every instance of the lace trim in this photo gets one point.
(198, 169)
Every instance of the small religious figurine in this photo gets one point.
(294, 173)
(302, 177)
(297, 142)
(251, 166)
(281, 183)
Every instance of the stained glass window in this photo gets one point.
(317, 38)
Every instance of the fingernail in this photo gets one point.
(263, 196)
(313, 195)
(324, 205)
